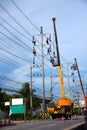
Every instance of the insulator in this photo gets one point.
(50, 37)
(34, 51)
(49, 50)
(34, 41)
(73, 79)
(33, 60)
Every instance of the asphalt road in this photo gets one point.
(44, 125)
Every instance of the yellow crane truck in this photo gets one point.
(64, 106)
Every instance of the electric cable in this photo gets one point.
(24, 15)
(15, 20)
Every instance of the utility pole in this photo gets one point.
(42, 56)
(68, 79)
(31, 92)
(51, 95)
(43, 85)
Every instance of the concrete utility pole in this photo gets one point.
(51, 95)
(68, 80)
(31, 108)
(42, 56)
(43, 85)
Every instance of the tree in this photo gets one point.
(4, 97)
(25, 92)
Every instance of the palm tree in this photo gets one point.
(25, 92)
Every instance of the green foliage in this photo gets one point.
(36, 102)
(25, 93)
(4, 98)
(77, 111)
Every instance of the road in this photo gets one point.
(44, 125)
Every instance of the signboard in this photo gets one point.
(7, 103)
(19, 109)
(17, 101)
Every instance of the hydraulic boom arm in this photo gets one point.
(59, 66)
(85, 97)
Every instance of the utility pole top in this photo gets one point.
(53, 18)
(41, 30)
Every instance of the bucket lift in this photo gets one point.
(54, 60)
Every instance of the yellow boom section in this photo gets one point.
(61, 82)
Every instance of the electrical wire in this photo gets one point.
(5, 10)
(14, 41)
(23, 46)
(15, 29)
(12, 49)
(15, 20)
(15, 55)
(24, 15)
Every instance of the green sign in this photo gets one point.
(19, 109)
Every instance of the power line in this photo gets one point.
(25, 15)
(27, 33)
(5, 78)
(15, 28)
(4, 61)
(15, 55)
(9, 47)
(12, 49)
(7, 11)
(7, 89)
(15, 20)
(15, 36)
(14, 41)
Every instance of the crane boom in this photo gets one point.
(64, 106)
(79, 77)
(56, 41)
(59, 66)
(85, 97)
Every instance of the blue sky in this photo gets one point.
(71, 23)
